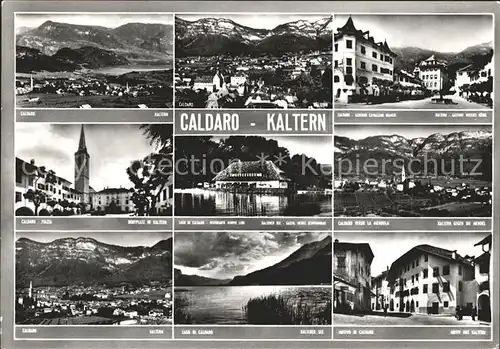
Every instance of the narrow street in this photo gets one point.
(426, 103)
(414, 319)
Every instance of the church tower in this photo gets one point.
(82, 168)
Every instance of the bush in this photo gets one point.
(24, 211)
(44, 212)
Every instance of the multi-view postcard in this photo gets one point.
(253, 176)
(409, 61)
(112, 170)
(94, 60)
(413, 171)
(98, 278)
(258, 278)
(271, 61)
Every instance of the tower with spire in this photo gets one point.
(82, 168)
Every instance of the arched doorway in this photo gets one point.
(484, 310)
(391, 307)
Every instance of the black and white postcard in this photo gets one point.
(112, 170)
(263, 60)
(98, 278)
(406, 61)
(253, 278)
(94, 60)
(413, 171)
(253, 176)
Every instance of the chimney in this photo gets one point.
(387, 268)
(454, 254)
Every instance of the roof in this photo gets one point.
(29, 169)
(251, 171)
(349, 28)
(467, 68)
(114, 190)
(486, 240)
(82, 146)
(204, 79)
(365, 247)
(433, 250)
(382, 275)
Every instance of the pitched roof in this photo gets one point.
(114, 190)
(486, 240)
(434, 250)
(363, 246)
(251, 171)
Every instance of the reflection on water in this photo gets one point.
(217, 203)
(119, 70)
(224, 304)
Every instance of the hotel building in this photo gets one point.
(352, 277)
(431, 71)
(359, 61)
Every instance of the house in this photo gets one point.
(482, 277)
(432, 73)
(431, 280)
(352, 276)
(251, 175)
(380, 291)
(359, 61)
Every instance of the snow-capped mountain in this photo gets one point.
(212, 36)
(85, 260)
(473, 145)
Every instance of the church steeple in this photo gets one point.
(82, 146)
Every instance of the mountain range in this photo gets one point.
(71, 261)
(408, 57)
(74, 46)
(214, 36)
(308, 265)
(442, 147)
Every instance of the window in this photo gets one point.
(425, 289)
(363, 49)
(460, 270)
(417, 262)
(348, 43)
(374, 67)
(412, 279)
(374, 54)
(336, 78)
(348, 61)
(416, 277)
(426, 257)
(435, 288)
(348, 70)
(18, 196)
(446, 287)
(336, 64)
(384, 70)
(426, 273)
(41, 186)
(336, 47)
(363, 65)
(435, 271)
(341, 262)
(413, 264)
(460, 286)
(416, 304)
(446, 270)
(445, 304)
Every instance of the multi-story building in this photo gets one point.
(432, 73)
(164, 199)
(431, 280)
(407, 79)
(380, 291)
(118, 200)
(359, 62)
(352, 276)
(482, 276)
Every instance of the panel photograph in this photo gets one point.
(94, 60)
(253, 61)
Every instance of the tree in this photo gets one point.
(155, 171)
(37, 196)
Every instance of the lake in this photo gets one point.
(119, 70)
(199, 202)
(224, 304)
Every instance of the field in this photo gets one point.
(79, 320)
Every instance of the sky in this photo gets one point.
(443, 33)
(318, 147)
(112, 147)
(108, 20)
(223, 255)
(112, 238)
(357, 132)
(387, 247)
(257, 20)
